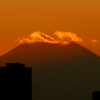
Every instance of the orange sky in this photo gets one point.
(20, 18)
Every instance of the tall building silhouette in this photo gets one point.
(15, 82)
(96, 95)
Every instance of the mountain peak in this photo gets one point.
(73, 43)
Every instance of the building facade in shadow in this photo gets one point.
(15, 82)
(96, 95)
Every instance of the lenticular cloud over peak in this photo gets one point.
(72, 36)
(38, 36)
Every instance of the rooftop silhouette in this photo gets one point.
(15, 65)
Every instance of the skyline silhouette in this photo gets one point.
(15, 94)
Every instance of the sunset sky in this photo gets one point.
(20, 18)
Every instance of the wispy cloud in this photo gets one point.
(72, 36)
(94, 41)
(42, 37)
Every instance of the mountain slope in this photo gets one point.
(69, 72)
(33, 54)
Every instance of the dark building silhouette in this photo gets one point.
(15, 82)
(96, 95)
(15, 65)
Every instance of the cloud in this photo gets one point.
(38, 37)
(42, 37)
(94, 41)
(72, 36)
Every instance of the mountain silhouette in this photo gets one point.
(59, 72)
(44, 53)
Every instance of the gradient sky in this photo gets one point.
(20, 18)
